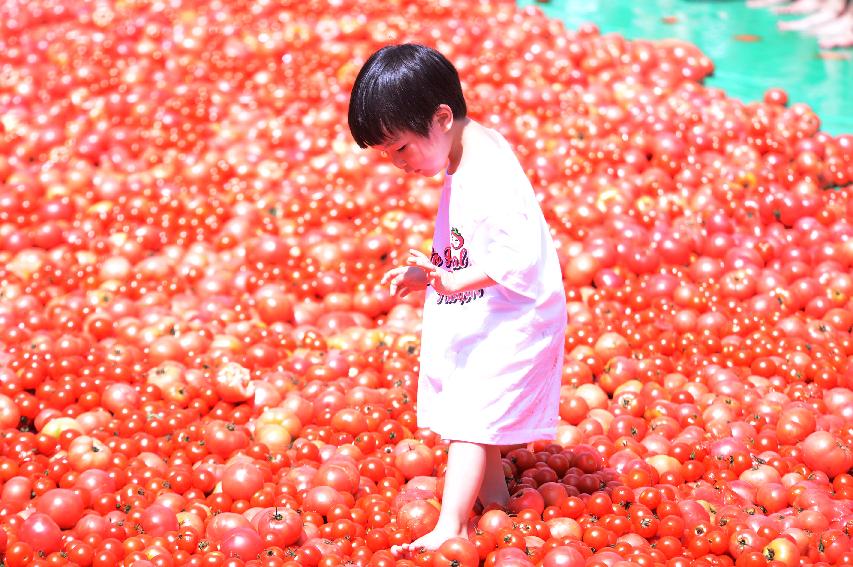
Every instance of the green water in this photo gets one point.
(789, 60)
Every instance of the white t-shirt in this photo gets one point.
(491, 359)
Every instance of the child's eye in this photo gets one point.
(401, 148)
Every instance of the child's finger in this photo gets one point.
(417, 253)
(390, 274)
(395, 285)
(417, 258)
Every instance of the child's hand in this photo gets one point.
(405, 279)
(442, 280)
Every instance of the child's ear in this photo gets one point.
(443, 117)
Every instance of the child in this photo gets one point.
(495, 311)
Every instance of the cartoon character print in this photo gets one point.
(455, 255)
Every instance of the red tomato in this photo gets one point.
(41, 533)
(413, 459)
(199, 363)
(824, 452)
(279, 527)
(418, 517)
(563, 556)
(63, 506)
(457, 552)
(223, 438)
(87, 453)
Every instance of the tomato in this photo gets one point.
(484, 542)
(224, 439)
(573, 409)
(795, 424)
(10, 413)
(87, 453)
(418, 517)
(511, 556)
(158, 520)
(599, 504)
(233, 382)
(413, 459)
(41, 533)
(563, 556)
(242, 543)
(526, 499)
(773, 497)
(279, 527)
(63, 506)
(19, 553)
(200, 367)
(457, 552)
(241, 480)
(782, 550)
(824, 452)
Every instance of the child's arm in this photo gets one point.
(450, 282)
(467, 280)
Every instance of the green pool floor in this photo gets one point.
(744, 69)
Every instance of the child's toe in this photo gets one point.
(399, 551)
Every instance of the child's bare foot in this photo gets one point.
(811, 21)
(842, 23)
(800, 7)
(430, 541)
(841, 40)
(764, 3)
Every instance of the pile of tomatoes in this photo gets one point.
(198, 366)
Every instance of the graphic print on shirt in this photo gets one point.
(455, 258)
(455, 255)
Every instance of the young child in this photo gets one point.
(495, 311)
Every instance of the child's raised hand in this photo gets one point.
(405, 279)
(441, 280)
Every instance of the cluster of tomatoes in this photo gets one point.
(198, 366)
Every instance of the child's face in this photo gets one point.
(414, 153)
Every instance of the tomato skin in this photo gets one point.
(509, 537)
(751, 559)
(41, 533)
(413, 459)
(824, 452)
(573, 409)
(527, 498)
(457, 552)
(223, 439)
(563, 556)
(279, 527)
(484, 542)
(510, 556)
(19, 554)
(493, 521)
(242, 480)
(196, 345)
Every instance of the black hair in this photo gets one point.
(399, 89)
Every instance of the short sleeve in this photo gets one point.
(508, 248)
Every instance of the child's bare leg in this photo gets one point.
(800, 7)
(494, 490)
(832, 27)
(466, 463)
(764, 3)
(830, 10)
(842, 39)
